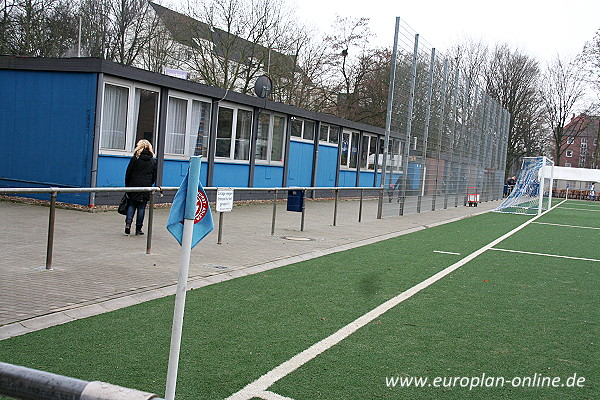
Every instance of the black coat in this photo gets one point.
(141, 172)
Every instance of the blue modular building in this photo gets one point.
(74, 123)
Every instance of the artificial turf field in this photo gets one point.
(502, 314)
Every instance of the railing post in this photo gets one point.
(335, 206)
(360, 205)
(52, 217)
(274, 213)
(220, 233)
(303, 207)
(150, 221)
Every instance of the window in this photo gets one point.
(567, 164)
(129, 113)
(328, 134)
(569, 153)
(303, 129)
(188, 122)
(570, 140)
(367, 151)
(176, 121)
(114, 117)
(269, 138)
(233, 140)
(583, 140)
(349, 155)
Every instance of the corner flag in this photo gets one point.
(187, 205)
(189, 221)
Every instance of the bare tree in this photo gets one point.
(232, 42)
(472, 58)
(38, 28)
(561, 91)
(117, 30)
(513, 79)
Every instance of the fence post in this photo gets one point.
(335, 206)
(360, 205)
(220, 234)
(51, 219)
(274, 213)
(303, 207)
(150, 221)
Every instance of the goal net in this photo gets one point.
(532, 193)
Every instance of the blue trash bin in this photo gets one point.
(295, 200)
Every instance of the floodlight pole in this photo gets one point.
(388, 119)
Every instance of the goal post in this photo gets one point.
(532, 193)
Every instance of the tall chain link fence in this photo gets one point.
(445, 136)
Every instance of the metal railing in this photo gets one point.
(31, 384)
(53, 191)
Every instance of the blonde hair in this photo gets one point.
(141, 146)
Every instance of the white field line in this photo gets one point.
(546, 255)
(567, 226)
(261, 384)
(446, 252)
(579, 209)
(267, 395)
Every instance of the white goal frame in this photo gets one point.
(534, 182)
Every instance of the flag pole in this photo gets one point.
(184, 266)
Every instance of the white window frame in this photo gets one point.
(570, 140)
(370, 136)
(189, 135)
(567, 164)
(130, 121)
(330, 135)
(346, 165)
(233, 137)
(301, 138)
(569, 153)
(272, 117)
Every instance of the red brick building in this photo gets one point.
(582, 150)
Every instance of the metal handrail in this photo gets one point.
(53, 191)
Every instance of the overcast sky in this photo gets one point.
(540, 28)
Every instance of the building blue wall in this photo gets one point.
(47, 129)
(347, 178)
(327, 166)
(268, 176)
(231, 175)
(300, 164)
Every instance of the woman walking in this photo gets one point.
(141, 172)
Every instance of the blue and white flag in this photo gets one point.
(198, 208)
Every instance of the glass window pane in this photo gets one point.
(176, 123)
(364, 151)
(224, 132)
(333, 134)
(200, 128)
(262, 137)
(323, 132)
(296, 128)
(309, 130)
(114, 117)
(146, 107)
(353, 150)
(242, 135)
(278, 135)
(345, 147)
(372, 147)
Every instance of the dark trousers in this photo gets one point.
(132, 207)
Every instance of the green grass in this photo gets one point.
(500, 314)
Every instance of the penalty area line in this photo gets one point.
(546, 255)
(259, 386)
(567, 226)
(446, 252)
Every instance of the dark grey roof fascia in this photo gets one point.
(97, 65)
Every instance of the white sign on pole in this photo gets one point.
(224, 200)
